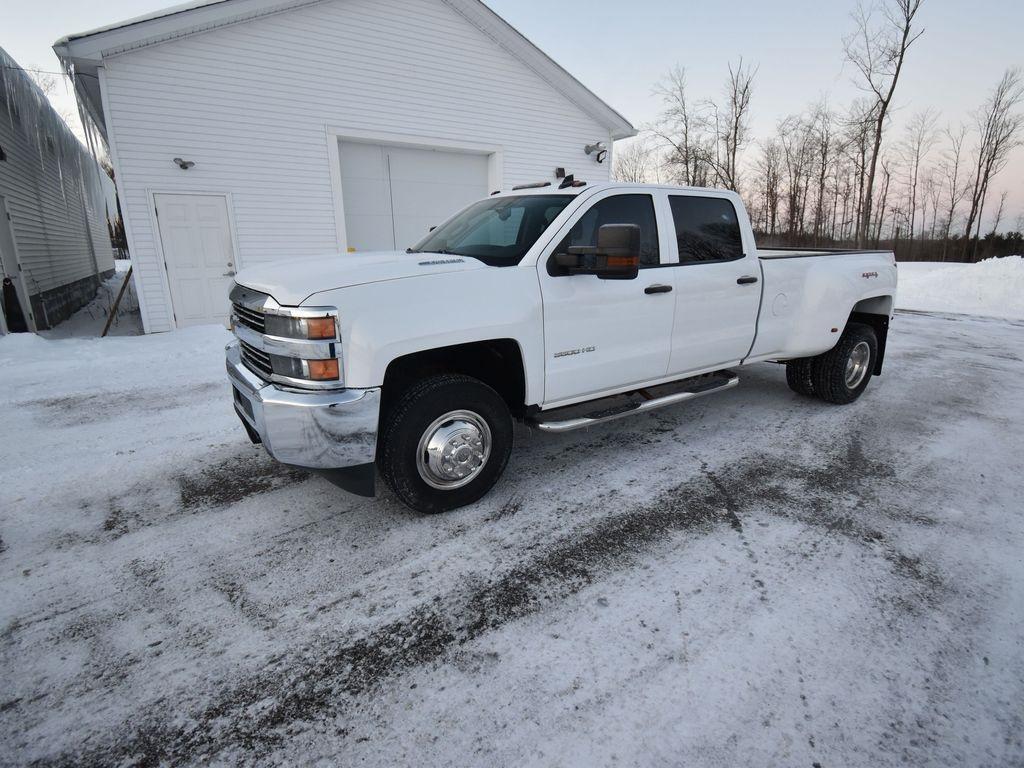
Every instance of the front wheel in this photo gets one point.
(842, 374)
(445, 443)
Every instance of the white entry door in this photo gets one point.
(393, 195)
(195, 233)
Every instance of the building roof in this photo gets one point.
(82, 53)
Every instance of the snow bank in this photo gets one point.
(993, 287)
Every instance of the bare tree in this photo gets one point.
(732, 123)
(932, 192)
(1000, 127)
(684, 129)
(769, 171)
(823, 127)
(46, 81)
(840, 177)
(956, 189)
(858, 125)
(49, 84)
(999, 211)
(920, 139)
(796, 140)
(635, 162)
(887, 174)
(878, 51)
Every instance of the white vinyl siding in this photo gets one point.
(42, 183)
(251, 105)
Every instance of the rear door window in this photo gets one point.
(707, 229)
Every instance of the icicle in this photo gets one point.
(92, 139)
(60, 173)
(39, 143)
(30, 110)
(7, 97)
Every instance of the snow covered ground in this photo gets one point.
(754, 578)
(993, 287)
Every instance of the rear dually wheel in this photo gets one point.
(842, 374)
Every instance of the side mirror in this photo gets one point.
(616, 256)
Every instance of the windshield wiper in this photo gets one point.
(442, 251)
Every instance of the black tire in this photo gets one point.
(406, 422)
(829, 369)
(798, 375)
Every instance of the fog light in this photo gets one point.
(310, 370)
(323, 370)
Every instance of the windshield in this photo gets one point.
(498, 231)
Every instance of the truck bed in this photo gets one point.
(807, 297)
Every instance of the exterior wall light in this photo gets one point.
(597, 149)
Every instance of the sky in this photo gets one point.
(620, 50)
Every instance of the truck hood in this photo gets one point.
(293, 281)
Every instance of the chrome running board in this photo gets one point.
(605, 409)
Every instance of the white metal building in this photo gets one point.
(245, 131)
(54, 242)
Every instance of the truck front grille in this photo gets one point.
(256, 359)
(281, 357)
(250, 318)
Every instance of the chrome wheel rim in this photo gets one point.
(857, 364)
(453, 450)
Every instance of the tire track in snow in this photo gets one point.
(251, 716)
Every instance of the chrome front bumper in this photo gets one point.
(318, 430)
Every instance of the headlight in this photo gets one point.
(315, 328)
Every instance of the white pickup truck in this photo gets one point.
(561, 306)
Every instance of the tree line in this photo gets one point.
(842, 177)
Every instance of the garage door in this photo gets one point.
(393, 195)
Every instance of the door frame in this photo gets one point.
(165, 278)
(335, 135)
(30, 316)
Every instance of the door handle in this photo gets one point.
(228, 274)
(657, 289)
(746, 280)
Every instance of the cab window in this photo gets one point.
(619, 209)
(707, 229)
